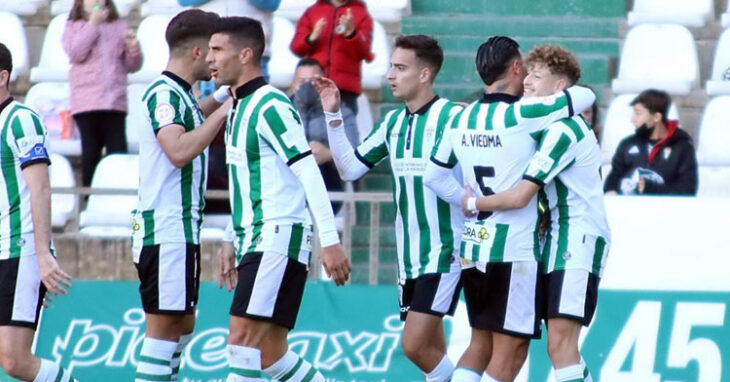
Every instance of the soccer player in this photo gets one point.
(173, 167)
(566, 165)
(493, 139)
(428, 228)
(273, 177)
(28, 267)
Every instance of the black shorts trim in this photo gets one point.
(418, 295)
(148, 270)
(552, 284)
(8, 283)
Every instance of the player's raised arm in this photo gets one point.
(537, 113)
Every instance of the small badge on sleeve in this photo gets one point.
(164, 114)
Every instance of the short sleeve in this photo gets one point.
(553, 154)
(374, 148)
(27, 138)
(443, 150)
(283, 131)
(165, 107)
(535, 114)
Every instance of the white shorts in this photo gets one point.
(21, 292)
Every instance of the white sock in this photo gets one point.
(244, 364)
(154, 360)
(462, 374)
(292, 368)
(587, 377)
(488, 378)
(442, 372)
(51, 372)
(175, 361)
(569, 373)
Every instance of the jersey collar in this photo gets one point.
(184, 84)
(498, 97)
(249, 87)
(5, 104)
(423, 108)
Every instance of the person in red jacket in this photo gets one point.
(338, 34)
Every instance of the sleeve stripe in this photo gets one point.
(298, 157)
(363, 160)
(34, 161)
(571, 112)
(534, 180)
(442, 164)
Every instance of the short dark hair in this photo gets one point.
(426, 48)
(189, 25)
(244, 32)
(308, 61)
(494, 56)
(656, 101)
(6, 60)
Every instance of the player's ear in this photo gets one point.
(4, 78)
(195, 52)
(425, 75)
(245, 55)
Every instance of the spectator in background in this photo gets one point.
(306, 98)
(338, 34)
(102, 50)
(658, 158)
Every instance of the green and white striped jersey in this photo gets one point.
(427, 228)
(493, 140)
(567, 163)
(170, 199)
(22, 142)
(264, 136)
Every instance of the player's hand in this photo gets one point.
(328, 93)
(642, 185)
(336, 263)
(99, 14)
(130, 38)
(464, 208)
(227, 272)
(317, 30)
(346, 23)
(321, 153)
(52, 276)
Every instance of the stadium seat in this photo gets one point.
(293, 9)
(715, 85)
(714, 181)
(54, 64)
(64, 6)
(49, 99)
(151, 35)
(694, 13)
(618, 124)
(110, 215)
(387, 11)
(725, 17)
(283, 62)
(21, 7)
(364, 119)
(714, 133)
(13, 36)
(374, 72)
(63, 206)
(658, 56)
(157, 7)
(135, 115)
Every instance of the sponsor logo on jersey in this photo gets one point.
(633, 150)
(481, 140)
(476, 235)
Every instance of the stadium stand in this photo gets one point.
(373, 73)
(54, 64)
(715, 85)
(49, 99)
(688, 13)
(64, 6)
(13, 36)
(63, 206)
(22, 7)
(283, 62)
(725, 17)
(110, 215)
(293, 9)
(135, 115)
(646, 56)
(713, 155)
(151, 35)
(156, 7)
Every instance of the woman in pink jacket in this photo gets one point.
(102, 51)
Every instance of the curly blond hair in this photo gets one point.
(558, 60)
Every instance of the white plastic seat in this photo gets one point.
(21, 7)
(136, 116)
(13, 36)
(54, 64)
(64, 6)
(714, 133)
(62, 205)
(283, 62)
(364, 117)
(715, 85)
(618, 124)
(714, 181)
(151, 35)
(695, 13)
(387, 11)
(120, 171)
(658, 56)
(156, 7)
(374, 72)
(49, 99)
(293, 9)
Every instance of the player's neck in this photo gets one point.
(245, 77)
(660, 131)
(421, 98)
(4, 95)
(504, 86)
(181, 69)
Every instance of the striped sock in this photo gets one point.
(572, 373)
(463, 374)
(175, 362)
(292, 368)
(442, 372)
(244, 364)
(52, 372)
(154, 360)
(587, 377)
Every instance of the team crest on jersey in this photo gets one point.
(430, 130)
(543, 162)
(633, 150)
(667, 152)
(164, 114)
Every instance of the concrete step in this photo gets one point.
(562, 8)
(579, 45)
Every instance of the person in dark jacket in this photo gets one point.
(659, 158)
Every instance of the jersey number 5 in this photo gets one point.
(481, 172)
